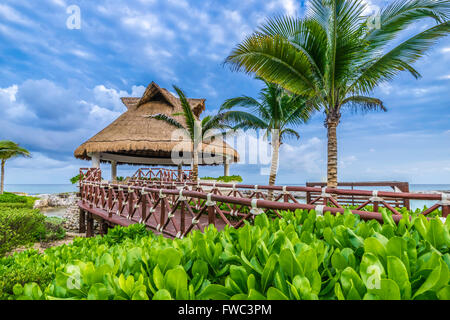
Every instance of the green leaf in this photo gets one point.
(437, 279)
(267, 277)
(275, 294)
(162, 294)
(158, 278)
(215, 292)
(397, 272)
(168, 258)
(200, 267)
(289, 264)
(176, 281)
(388, 290)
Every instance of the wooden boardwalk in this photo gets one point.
(176, 208)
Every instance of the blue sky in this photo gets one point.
(58, 87)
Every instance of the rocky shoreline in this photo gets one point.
(66, 201)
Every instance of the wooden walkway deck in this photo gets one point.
(171, 229)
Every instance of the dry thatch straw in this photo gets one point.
(134, 135)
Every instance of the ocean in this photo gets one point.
(33, 189)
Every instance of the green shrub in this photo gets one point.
(302, 256)
(20, 271)
(18, 227)
(225, 179)
(74, 180)
(50, 230)
(12, 198)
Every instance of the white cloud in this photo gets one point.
(10, 14)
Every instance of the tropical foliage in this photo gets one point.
(8, 150)
(275, 112)
(197, 131)
(302, 256)
(224, 179)
(336, 58)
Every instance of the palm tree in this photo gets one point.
(198, 131)
(8, 150)
(275, 112)
(336, 58)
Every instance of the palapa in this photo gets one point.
(137, 138)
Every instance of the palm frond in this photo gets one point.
(364, 104)
(245, 119)
(187, 110)
(289, 133)
(274, 59)
(398, 59)
(167, 119)
(243, 101)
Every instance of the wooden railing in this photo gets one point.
(90, 174)
(163, 174)
(175, 208)
(356, 200)
(327, 197)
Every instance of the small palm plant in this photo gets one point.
(8, 150)
(336, 57)
(276, 112)
(197, 131)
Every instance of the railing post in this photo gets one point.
(211, 215)
(445, 211)
(182, 219)
(90, 225)
(163, 213)
(130, 203)
(143, 207)
(82, 221)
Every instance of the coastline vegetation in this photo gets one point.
(21, 225)
(225, 179)
(301, 256)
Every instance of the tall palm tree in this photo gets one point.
(275, 112)
(335, 56)
(8, 150)
(198, 131)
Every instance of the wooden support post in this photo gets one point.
(162, 219)
(375, 206)
(90, 225)
(143, 207)
(211, 215)
(182, 219)
(113, 170)
(82, 221)
(308, 197)
(445, 211)
(226, 169)
(95, 160)
(103, 227)
(180, 172)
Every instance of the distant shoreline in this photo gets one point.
(39, 189)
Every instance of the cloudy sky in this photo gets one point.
(60, 86)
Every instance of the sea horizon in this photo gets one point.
(55, 188)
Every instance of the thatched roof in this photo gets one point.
(133, 135)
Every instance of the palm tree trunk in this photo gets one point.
(332, 170)
(195, 163)
(274, 165)
(3, 177)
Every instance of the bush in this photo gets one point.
(19, 271)
(301, 256)
(18, 227)
(52, 229)
(12, 198)
(225, 179)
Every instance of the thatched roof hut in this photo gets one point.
(134, 139)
